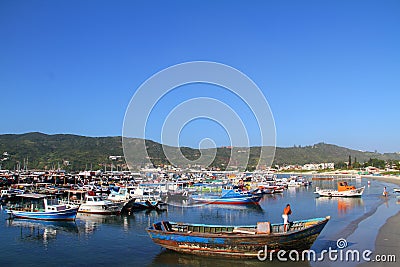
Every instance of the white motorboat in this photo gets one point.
(344, 190)
(121, 196)
(96, 205)
(89, 202)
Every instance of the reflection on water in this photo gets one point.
(33, 230)
(347, 204)
(98, 219)
(228, 213)
(43, 231)
(91, 222)
(171, 258)
(344, 205)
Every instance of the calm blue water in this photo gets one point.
(122, 240)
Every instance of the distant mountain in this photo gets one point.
(326, 153)
(65, 150)
(73, 152)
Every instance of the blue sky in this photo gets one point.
(330, 70)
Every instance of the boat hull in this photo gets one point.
(233, 201)
(142, 205)
(229, 201)
(225, 244)
(99, 212)
(65, 215)
(99, 209)
(229, 197)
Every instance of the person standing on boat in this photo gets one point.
(286, 212)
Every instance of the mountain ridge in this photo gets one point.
(76, 152)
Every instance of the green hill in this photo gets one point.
(73, 152)
(326, 153)
(43, 151)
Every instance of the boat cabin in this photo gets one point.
(37, 202)
(343, 186)
(93, 199)
(53, 205)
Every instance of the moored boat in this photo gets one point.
(144, 199)
(96, 205)
(89, 202)
(229, 196)
(236, 241)
(137, 204)
(296, 181)
(39, 207)
(344, 190)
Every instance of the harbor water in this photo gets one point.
(121, 240)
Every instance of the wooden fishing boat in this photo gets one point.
(39, 207)
(344, 190)
(236, 241)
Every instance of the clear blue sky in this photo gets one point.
(330, 70)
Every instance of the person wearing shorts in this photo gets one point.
(286, 212)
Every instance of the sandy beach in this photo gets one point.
(388, 239)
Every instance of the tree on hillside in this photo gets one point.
(340, 165)
(357, 165)
(378, 163)
(349, 166)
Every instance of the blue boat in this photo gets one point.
(39, 207)
(236, 241)
(229, 196)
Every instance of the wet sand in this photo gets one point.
(388, 239)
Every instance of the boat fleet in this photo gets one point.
(64, 205)
(97, 197)
(52, 202)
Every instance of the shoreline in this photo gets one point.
(388, 239)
